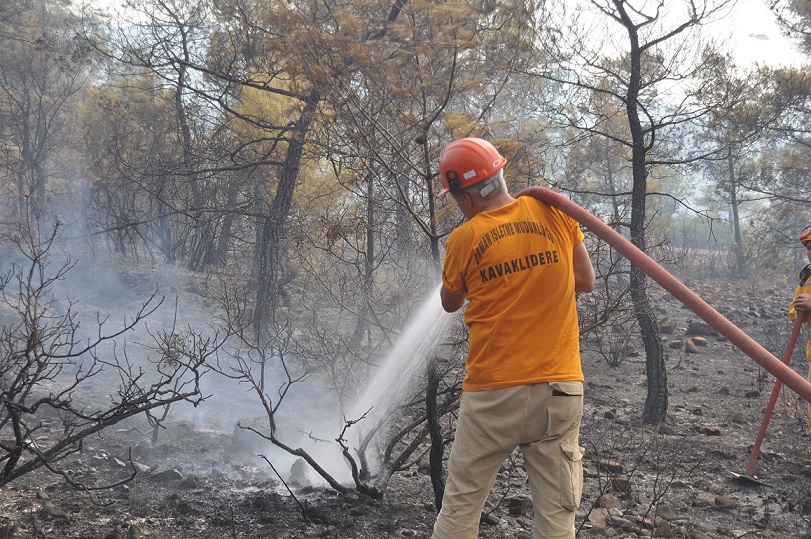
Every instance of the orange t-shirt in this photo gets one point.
(514, 265)
(803, 288)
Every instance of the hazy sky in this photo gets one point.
(757, 37)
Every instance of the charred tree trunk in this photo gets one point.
(271, 249)
(367, 277)
(656, 401)
(617, 261)
(733, 201)
(435, 432)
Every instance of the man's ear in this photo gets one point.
(460, 198)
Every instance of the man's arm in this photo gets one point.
(451, 302)
(583, 270)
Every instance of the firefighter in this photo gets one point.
(518, 263)
(802, 299)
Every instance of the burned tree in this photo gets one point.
(50, 367)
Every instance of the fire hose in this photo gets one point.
(689, 298)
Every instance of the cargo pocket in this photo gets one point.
(571, 476)
(566, 389)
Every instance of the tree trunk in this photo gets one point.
(617, 260)
(435, 431)
(733, 201)
(656, 402)
(431, 414)
(273, 231)
(367, 279)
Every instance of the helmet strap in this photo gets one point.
(490, 186)
(805, 274)
(454, 181)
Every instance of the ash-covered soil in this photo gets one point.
(681, 479)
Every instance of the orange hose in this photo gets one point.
(726, 328)
(795, 332)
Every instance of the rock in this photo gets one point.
(720, 454)
(662, 528)
(690, 347)
(301, 474)
(739, 418)
(135, 532)
(489, 519)
(519, 505)
(525, 522)
(675, 344)
(622, 523)
(598, 517)
(667, 326)
(610, 466)
(665, 511)
(621, 483)
(141, 468)
(726, 502)
(642, 522)
(713, 430)
(700, 328)
(52, 510)
(167, 476)
(699, 341)
(609, 501)
(666, 429)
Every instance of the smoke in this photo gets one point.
(101, 287)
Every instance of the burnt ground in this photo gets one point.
(676, 480)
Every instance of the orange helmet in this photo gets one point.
(466, 162)
(805, 235)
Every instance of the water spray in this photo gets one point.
(400, 371)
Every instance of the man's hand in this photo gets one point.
(803, 302)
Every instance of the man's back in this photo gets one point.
(514, 264)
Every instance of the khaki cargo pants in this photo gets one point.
(544, 421)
